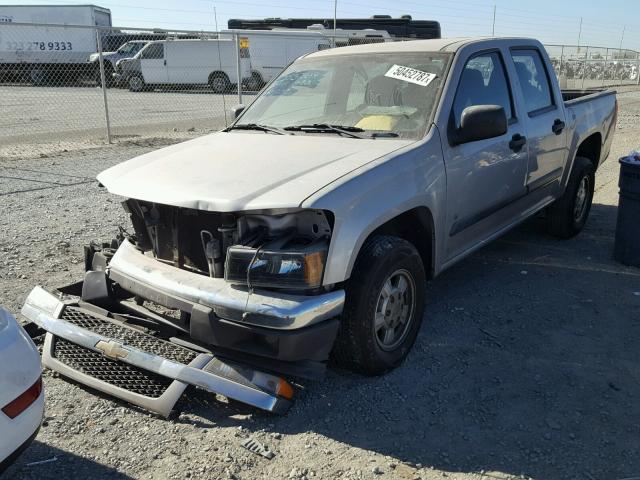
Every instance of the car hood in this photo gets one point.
(235, 171)
(96, 56)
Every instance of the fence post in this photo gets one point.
(238, 69)
(584, 66)
(103, 84)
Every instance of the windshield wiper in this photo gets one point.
(256, 126)
(325, 128)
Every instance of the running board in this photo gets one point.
(132, 365)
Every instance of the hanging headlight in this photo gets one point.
(299, 268)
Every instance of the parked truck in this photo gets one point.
(46, 43)
(307, 230)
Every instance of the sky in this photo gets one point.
(606, 24)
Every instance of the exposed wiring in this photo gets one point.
(249, 287)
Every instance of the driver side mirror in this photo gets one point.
(237, 110)
(480, 122)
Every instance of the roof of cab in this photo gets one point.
(450, 45)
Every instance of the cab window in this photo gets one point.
(534, 80)
(483, 82)
(153, 51)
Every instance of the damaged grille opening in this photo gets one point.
(185, 238)
(199, 241)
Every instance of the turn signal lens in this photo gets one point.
(313, 268)
(284, 389)
(20, 404)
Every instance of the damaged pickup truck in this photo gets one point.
(307, 230)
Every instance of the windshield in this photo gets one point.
(131, 48)
(390, 92)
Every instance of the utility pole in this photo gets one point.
(579, 35)
(335, 20)
(493, 28)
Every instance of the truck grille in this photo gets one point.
(127, 335)
(118, 374)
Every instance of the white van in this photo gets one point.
(273, 50)
(185, 62)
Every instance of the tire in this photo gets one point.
(360, 345)
(38, 77)
(256, 83)
(567, 216)
(219, 83)
(136, 83)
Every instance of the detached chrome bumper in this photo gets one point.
(105, 341)
(141, 274)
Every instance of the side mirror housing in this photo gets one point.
(479, 122)
(237, 110)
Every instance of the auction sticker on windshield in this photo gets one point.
(410, 75)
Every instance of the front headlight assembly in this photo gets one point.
(284, 253)
(302, 268)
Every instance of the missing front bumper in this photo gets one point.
(137, 367)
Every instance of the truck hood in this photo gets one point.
(94, 57)
(236, 171)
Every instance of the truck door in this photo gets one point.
(153, 64)
(544, 118)
(483, 176)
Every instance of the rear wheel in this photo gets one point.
(38, 77)
(384, 307)
(136, 83)
(568, 215)
(219, 83)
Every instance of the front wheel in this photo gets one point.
(384, 307)
(136, 83)
(568, 215)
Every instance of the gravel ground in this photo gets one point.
(526, 365)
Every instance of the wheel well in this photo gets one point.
(590, 148)
(416, 227)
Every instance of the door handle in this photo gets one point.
(165, 63)
(517, 142)
(558, 126)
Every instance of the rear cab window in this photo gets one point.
(534, 80)
(483, 82)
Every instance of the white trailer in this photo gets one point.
(271, 51)
(47, 42)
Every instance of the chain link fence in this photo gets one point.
(64, 81)
(584, 67)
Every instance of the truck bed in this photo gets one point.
(572, 95)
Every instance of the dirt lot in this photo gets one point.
(526, 366)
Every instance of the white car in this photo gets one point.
(21, 390)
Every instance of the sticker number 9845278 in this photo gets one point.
(42, 46)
